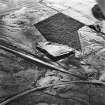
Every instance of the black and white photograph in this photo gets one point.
(52, 52)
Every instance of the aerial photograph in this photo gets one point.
(52, 52)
